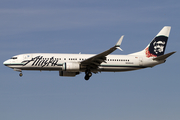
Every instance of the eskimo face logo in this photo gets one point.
(158, 46)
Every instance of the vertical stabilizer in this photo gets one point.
(158, 45)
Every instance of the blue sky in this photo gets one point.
(67, 26)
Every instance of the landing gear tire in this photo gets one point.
(88, 75)
(20, 74)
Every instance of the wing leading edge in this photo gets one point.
(95, 61)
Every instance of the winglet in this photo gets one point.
(119, 43)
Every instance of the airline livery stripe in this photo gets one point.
(13, 64)
(122, 66)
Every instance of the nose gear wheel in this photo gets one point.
(20, 74)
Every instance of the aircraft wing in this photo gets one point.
(95, 61)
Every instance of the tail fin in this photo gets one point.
(158, 45)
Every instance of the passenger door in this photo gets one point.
(140, 61)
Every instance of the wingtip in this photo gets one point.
(119, 41)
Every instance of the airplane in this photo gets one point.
(71, 65)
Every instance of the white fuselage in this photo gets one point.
(47, 61)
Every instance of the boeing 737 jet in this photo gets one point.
(73, 64)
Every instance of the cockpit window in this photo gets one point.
(14, 58)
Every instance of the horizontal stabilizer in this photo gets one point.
(163, 57)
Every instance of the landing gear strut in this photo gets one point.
(88, 74)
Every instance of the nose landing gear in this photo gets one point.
(20, 74)
(19, 70)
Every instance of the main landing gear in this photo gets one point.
(88, 74)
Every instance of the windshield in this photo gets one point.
(14, 58)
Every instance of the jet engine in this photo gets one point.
(72, 67)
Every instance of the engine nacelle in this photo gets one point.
(73, 67)
(68, 74)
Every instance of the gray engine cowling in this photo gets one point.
(73, 67)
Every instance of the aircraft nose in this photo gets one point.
(6, 62)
